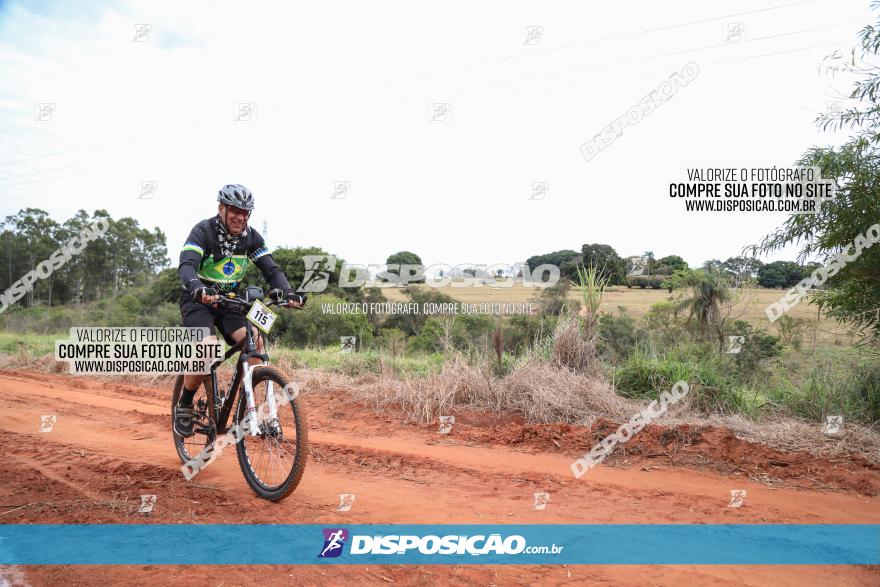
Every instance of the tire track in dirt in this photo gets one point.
(380, 457)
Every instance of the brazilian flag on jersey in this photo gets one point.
(226, 273)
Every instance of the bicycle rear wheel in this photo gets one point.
(274, 460)
(189, 448)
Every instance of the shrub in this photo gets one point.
(643, 281)
(618, 336)
(359, 363)
(460, 331)
(757, 349)
(524, 329)
(714, 389)
(552, 300)
(391, 339)
(429, 339)
(644, 376)
(412, 324)
(661, 324)
(866, 385)
(791, 330)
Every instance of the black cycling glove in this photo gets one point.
(279, 296)
(206, 291)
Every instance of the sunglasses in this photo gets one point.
(237, 211)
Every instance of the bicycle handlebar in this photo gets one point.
(237, 301)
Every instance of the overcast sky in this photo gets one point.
(345, 92)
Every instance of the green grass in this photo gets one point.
(33, 344)
(812, 384)
(830, 381)
(646, 374)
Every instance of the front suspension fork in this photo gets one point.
(253, 418)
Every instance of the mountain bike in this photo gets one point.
(271, 424)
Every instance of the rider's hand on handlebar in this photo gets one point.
(290, 298)
(206, 295)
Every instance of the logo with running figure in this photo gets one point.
(317, 275)
(334, 541)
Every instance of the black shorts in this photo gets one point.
(197, 314)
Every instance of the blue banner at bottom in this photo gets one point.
(606, 544)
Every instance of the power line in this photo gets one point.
(612, 38)
(719, 62)
(624, 35)
(672, 53)
(43, 179)
(576, 84)
(97, 145)
(643, 58)
(56, 154)
(675, 26)
(43, 171)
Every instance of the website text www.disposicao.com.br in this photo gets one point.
(335, 540)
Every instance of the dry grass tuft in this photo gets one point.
(791, 435)
(546, 392)
(23, 359)
(574, 347)
(540, 391)
(423, 399)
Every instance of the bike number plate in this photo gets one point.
(262, 317)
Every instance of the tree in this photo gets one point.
(569, 268)
(557, 258)
(742, 269)
(606, 260)
(672, 262)
(124, 255)
(709, 290)
(713, 265)
(807, 270)
(784, 274)
(404, 258)
(679, 279)
(87, 272)
(136, 253)
(650, 264)
(712, 304)
(165, 288)
(33, 240)
(852, 296)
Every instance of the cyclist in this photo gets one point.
(214, 261)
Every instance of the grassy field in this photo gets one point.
(32, 344)
(637, 302)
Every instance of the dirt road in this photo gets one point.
(111, 443)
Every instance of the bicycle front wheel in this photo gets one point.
(274, 460)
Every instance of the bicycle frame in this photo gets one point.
(221, 407)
